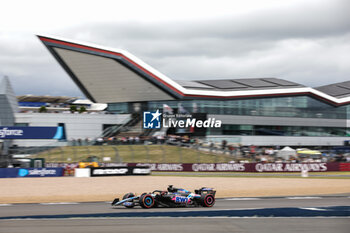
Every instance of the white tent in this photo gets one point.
(286, 153)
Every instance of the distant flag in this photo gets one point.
(195, 108)
(182, 110)
(191, 129)
(167, 109)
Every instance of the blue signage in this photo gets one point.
(40, 172)
(30, 172)
(12, 132)
(22, 172)
(151, 120)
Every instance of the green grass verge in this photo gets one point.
(132, 153)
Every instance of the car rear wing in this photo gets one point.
(205, 190)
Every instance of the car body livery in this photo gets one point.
(172, 197)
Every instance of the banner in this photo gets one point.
(9, 132)
(240, 167)
(30, 172)
(344, 167)
(223, 167)
(120, 171)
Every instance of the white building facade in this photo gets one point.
(77, 126)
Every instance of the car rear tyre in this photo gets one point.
(126, 196)
(207, 200)
(147, 201)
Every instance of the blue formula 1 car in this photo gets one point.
(172, 197)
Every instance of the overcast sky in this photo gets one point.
(306, 41)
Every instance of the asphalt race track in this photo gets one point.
(279, 214)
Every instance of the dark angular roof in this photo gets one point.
(239, 84)
(338, 90)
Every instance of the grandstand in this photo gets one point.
(259, 111)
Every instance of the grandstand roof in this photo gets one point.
(338, 90)
(45, 99)
(112, 75)
(239, 84)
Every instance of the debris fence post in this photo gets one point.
(49, 155)
(147, 153)
(117, 157)
(198, 154)
(179, 152)
(163, 153)
(62, 154)
(102, 152)
(132, 153)
(88, 151)
(74, 154)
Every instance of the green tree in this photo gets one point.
(73, 108)
(42, 109)
(82, 109)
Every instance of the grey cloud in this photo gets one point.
(43, 84)
(309, 44)
(31, 69)
(302, 21)
(310, 58)
(227, 36)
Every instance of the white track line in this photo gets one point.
(5, 204)
(60, 203)
(302, 198)
(311, 208)
(243, 199)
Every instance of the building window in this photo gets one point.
(273, 130)
(298, 107)
(18, 124)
